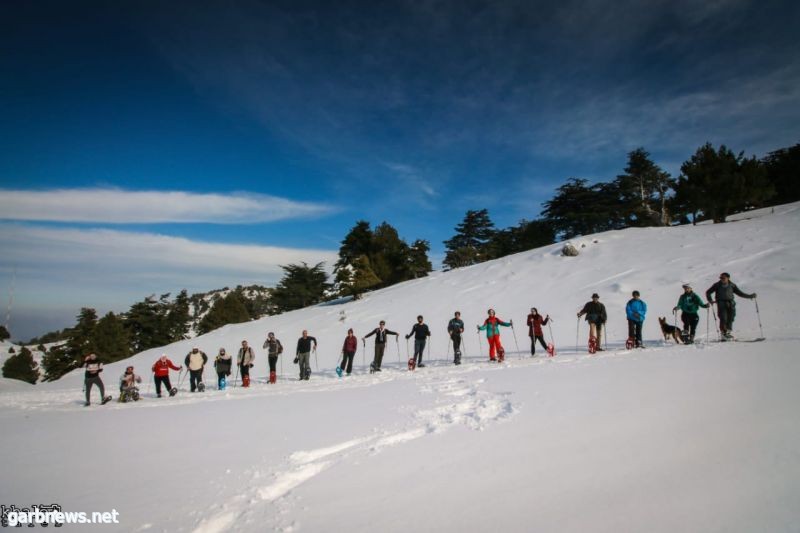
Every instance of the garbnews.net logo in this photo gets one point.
(52, 515)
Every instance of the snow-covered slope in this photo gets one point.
(689, 438)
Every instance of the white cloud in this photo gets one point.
(119, 206)
(60, 270)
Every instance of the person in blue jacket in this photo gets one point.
(636, 310)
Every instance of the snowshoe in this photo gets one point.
(501, 355)
(245, 381)
(372, 368)
(223, 383)
(630, 343)
(273, 377)
(421, 365)
(105, 400)
(551, 350)
(173, 391)
(593, 345)
(201, 387)
(339, 371)
(412, 363)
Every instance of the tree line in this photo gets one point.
(713, 184)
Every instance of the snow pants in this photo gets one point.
(347, 361)
(273, 362)
(195, 377)
(635, 331)
(690, 321)
(419, 349)
(379, 349)
(94, 380)
(305, 368)
(165, 381)
(539, 338)
(456, 343)
(726, 309)
(494, 346)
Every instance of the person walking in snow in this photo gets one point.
(91, 377)
(195, 361)
(245, 359)
(161, 370)
(304, 354)
(636, 310)
(535, 323)
(421, 332)
(455, 328)
(596, 317)
(348, 352)
(492, 326)
(127, 385)
(274, 349)
(222, 364)
(380, 344)
(689, 303)
(722, 293)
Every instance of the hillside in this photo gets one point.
(689, 438)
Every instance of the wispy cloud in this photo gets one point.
(118, 206)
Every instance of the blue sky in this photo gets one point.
(154, 146)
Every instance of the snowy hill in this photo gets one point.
(689, 438)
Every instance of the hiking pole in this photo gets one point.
(760, 329)
(235, 377)
(708, 320)
(514, 332)
(552, 339)
(397, 344)
(447, 353)
(364, 352)
(577, 334)
(150, 383)
(429, 351)
(480, 346)
(716, 326)
(316, 362)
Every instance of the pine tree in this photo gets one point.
(718, 183)
(419, 264)
(644, 191)
(4, 334)
(110, 339)
(22, 367)
(178, 317)
(300, 287)
(783, 170)
(469, 245)
(580, 209)
(356, 279)
(228, 310)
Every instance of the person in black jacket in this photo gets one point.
(722, 293)
(380, 344)
(455, 328)
(421, 333)
(274, 349)
(596, 317)
(304, 353)
(223, 364)
(92, 377)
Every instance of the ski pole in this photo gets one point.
(716, 326)
(407, 354)
(281, 359)
(447, 353)
(364, 352)
(552, 339)
(150, 383)
(577, 334)
(316, 362)
(708, 325)
(429, 350)
(397, 344)
(514, 332)
(237, 375)
(760, 329)
(480, 346)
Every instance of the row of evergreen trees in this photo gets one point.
(713, 184)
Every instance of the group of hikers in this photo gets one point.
(720, 293)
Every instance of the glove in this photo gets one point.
(296, 360)
(407, 336)
(251, 365)
(228, 373)
(675, 309)
(711, 301)
(754, 296)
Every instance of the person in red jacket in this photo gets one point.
(348, 352)
(161, 373)
(535, 323)
(492, 326)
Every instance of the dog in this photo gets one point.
(669, 331)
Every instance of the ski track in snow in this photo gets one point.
(459, 400)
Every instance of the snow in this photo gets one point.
(670, 438)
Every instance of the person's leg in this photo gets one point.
(379, 348)
(631, 329)
(492, 348)
(87, 385)
(694, 319)
(533, 345)
(158, 379)
(349, 356)
(722, 310)
(639, 333)
(541, 341)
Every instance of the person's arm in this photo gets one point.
(530, 320)
(172, 365)
(370, 334)
(205, 358)
(546, 320)
(738, 292)
(299, 342)
(427, 331)
(314, 340)
(709, 292)
(603, 315)
(186, 360)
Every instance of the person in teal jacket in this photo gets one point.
(636, 310)
(689, 303)
(492, 326)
